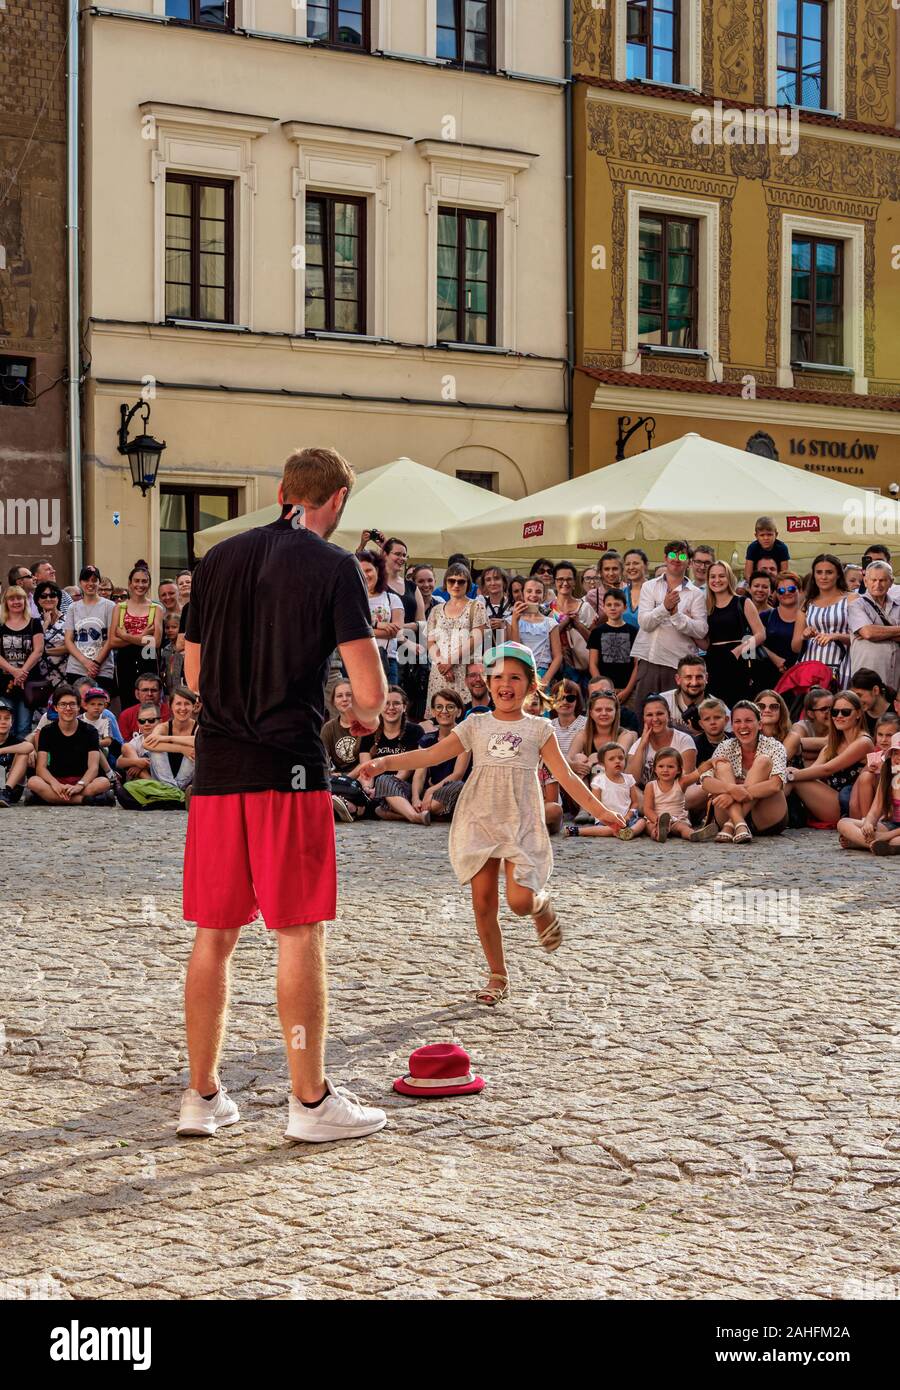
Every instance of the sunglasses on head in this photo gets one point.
(676, 555)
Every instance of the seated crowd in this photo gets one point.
(697, 704)
(93, 710)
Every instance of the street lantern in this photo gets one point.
(143, 452)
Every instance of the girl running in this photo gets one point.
(500, 814)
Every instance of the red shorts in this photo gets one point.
(248, 853)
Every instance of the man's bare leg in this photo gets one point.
(303, 1007)
(206, 1004)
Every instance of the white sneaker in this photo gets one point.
(341, 809)
(204, 1117)
(340, 1116)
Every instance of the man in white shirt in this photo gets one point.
(672, 619)
(875, 624)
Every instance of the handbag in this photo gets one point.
(37, 693)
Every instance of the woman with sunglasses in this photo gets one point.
(809, 735)
(543, 569)
(134, 759)
(824, 634)
(777, 654)
(828, 787)
(48, 598)
(774, 715)
(456, 634)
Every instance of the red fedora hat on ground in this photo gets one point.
(439, 1070)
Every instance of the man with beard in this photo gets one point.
(690, 690)
(479, 695)
(268, 607)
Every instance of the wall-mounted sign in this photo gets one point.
(592, 545)
(803, 523)
(834, 449)
(532, 528)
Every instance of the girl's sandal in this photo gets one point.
(662, 828)
(725, 835)
(626, 833)
(550, 935)
(742, 835)
(494, 994)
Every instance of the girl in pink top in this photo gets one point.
(664, 808)
(879, 831)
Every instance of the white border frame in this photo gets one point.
(707, 213)
(218, 144)
(691, 46)
(333, 160)
(853, 235)
(836, 93)
(472, 176)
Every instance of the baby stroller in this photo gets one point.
(796, 684)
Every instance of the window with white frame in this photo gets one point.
(341, 228)
(473, 212)
(672, 288)
(659, 41)
(204, 182)
(822, 308)
(805, 54)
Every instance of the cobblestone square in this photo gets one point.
(695, 1098)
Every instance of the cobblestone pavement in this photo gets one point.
(679, 1104)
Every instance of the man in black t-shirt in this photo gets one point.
(268, 607)
(68, 756)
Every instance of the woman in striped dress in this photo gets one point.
(823, 631)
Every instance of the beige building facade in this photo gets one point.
(339, 223)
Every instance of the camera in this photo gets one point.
(376, 536)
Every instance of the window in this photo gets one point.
(16, 381)
(667, 281)
(183, 511)
(802, 54)
(817, 297)
(478, 479)
(341, 22)
(218, 13)
(466, 268)
(199, 280)
(335, 263)
(652, 39)
(465, 32)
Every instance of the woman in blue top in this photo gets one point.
(634, 571)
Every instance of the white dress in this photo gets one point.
(500, 812)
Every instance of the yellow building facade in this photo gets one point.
(281, 199)
(737, 255)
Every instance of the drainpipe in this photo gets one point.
(73, 293)
(570, 239)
